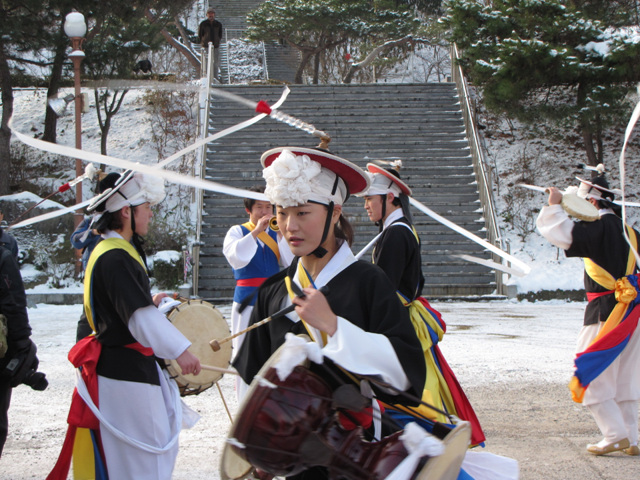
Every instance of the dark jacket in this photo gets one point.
(210, 32)
(13, 305)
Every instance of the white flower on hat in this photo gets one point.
(291, 179)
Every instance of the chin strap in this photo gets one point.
(320, 251)
(380, 223)
(137, 240)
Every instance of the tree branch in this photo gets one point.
(355, 67)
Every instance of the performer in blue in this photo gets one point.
(255, 251)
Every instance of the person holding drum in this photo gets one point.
(397, 252)
(136, 405)
(255, 251)
(360, 324)
(613, 378)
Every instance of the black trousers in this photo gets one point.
(5, 401)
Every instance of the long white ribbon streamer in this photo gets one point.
(50, 215)
(627, 135)
(367, 246)
(544, 190)
(490, 264)
(72, 152)
(465, 233)
(175, 428)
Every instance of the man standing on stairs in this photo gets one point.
(608, 358)
(210, 31)
(255, 251)
(397, 252)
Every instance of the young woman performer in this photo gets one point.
(360, 325)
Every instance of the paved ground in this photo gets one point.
(512, 358)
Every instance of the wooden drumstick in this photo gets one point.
(215, 344)
(218, 369)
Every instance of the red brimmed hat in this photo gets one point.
(353, 176)
(390, 175)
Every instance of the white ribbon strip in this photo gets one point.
(544, 190)
(465, 233)
(368, 246)
(490, 264)
(627, 135)
(418, 443)
(50, 215)
(175, 401)
(213, 186)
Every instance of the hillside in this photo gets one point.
(516, 153)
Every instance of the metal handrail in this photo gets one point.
(203, 118)
(264, 63)
(479, 165)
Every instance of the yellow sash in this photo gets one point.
(624, 293)
(103, 247)
(265, 237)
(604, 278)
(435, 392)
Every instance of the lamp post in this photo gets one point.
(75, 28)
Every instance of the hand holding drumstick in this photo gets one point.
(215, 344)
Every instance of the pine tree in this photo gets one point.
(545, 60)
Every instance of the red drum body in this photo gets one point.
(288, 429)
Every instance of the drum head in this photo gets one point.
(447, 466)
(232, 465)
(579, 208)
(201, 322)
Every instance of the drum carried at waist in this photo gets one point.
(200, 322)
(284, 427)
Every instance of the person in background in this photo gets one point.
(612, 395)
(397, 252)
(18, 360)
(7, 241)
(255, 252)
(210, 31)
(85, 238)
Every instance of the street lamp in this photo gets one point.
(75, 28)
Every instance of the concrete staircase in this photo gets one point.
(418, 123)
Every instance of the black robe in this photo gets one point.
(362, 294)
(602, 241)
(397, 252)
(119, 287)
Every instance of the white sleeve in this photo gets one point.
(555, 225)
(365, 353)
(286, 257)
(152, 329)
(238, 248)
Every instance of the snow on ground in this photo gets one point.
(489, 345)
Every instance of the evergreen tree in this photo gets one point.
(536, 60)
(316, 26)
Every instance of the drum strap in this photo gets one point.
(266, 239)
(103, 247)
(604, 278)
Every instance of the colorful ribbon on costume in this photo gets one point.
(442, 389)
(611, 339)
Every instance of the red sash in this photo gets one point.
(85, 354)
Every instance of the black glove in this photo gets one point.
(23, 366)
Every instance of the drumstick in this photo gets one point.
(215, 344)
(218, 369)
